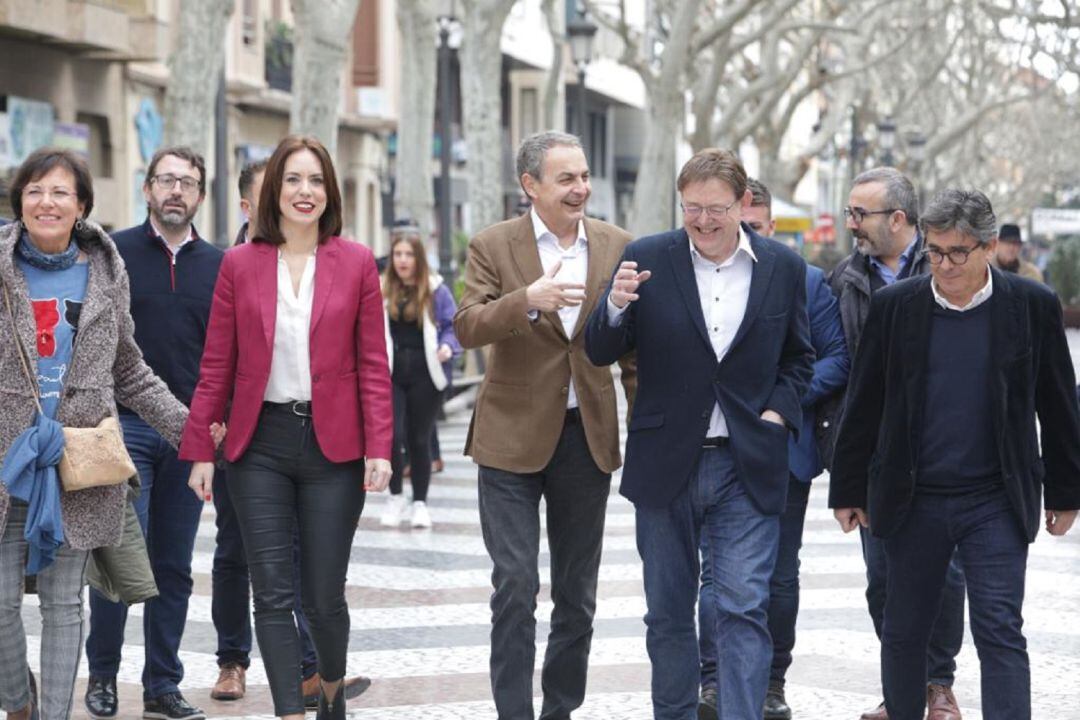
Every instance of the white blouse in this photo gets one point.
(290, 366)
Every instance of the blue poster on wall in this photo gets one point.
(30, 126)
(149, 127)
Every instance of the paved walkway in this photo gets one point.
(420, 620)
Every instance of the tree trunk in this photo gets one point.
(654, 190)
(415, 194)
(322, 30)
(554, 115)
(194, 72)
(481, 80)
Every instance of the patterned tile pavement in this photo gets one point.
(419, 620)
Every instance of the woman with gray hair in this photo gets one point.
(61, 277)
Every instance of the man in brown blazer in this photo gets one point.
(545, 423)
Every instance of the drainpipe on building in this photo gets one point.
(220, 185)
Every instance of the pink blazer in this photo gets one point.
(350, 380)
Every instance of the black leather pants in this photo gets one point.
(283, 480)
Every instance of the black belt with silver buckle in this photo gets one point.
(300, 408)
(716, 442)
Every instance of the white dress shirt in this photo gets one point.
(575, 268)
(976, 300)
(723, 289)
(290, 366)
(173, 248)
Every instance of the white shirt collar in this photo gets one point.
(157, 231)
(540, 230)
(976, 300)
(744, 245)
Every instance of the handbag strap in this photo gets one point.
(19, 349)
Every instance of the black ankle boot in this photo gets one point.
(332, 709)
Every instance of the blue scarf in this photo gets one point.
(29, 472)
(43, 261)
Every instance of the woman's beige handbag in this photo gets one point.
(92, 457)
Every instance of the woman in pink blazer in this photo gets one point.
(296, 341)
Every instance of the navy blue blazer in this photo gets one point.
(831, 370)
(679, 379)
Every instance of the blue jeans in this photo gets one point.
(947, 637)
(783, 592)
(715, 505)
(169, 515)
(983, 529)
(231, 595)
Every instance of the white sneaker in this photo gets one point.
(421, 518)
(394, 512)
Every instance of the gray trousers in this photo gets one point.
(576, 493)
(59, 588)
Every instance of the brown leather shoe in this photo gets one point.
(941, 703)
(311, 687)
(231, 683)
(878, 713)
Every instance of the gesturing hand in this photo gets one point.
(547, 293)
(625, 285)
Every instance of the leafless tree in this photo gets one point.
(415, 193)
(481, 72)
(319, 59)
(195, 71)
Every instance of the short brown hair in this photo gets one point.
(269, 221)
(714, 164)
(184, 153)
(247, 177)
(40, 163)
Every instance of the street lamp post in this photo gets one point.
(446, 21)
(581, 31)
(887, 139)
(916, 143)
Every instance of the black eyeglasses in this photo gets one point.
(956, 255)
(859, 214)
(168, 182)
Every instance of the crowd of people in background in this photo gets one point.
(285, 378)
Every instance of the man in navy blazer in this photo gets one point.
(805, 462)
(938, 451)
(717, 315)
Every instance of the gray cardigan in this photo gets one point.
(106, 367)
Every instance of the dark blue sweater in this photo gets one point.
(958, 453)
(170, 302)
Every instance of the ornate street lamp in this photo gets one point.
(887, 139)
(581, 31)
(916, 143)
(446, 19)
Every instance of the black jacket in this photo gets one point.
(851, 284)
(170, 302)
(877, 452)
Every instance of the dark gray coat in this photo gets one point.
(106, 367)
(850, 283)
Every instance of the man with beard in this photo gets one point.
(1007, 256)
(882, 216)
(172, 272)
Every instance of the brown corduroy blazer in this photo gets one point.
(521, 404)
